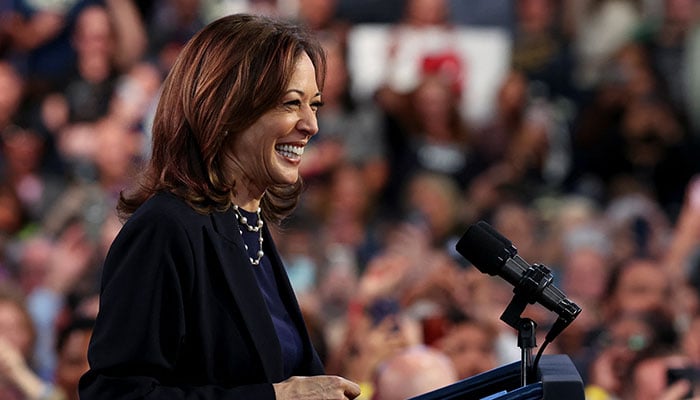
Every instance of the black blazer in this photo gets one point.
(181, 314)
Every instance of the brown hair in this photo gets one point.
(226, 77)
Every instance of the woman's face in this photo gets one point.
(269, 152)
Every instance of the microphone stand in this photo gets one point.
(533, 282)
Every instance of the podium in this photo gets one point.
(556, 378)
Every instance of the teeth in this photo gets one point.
(290, 150)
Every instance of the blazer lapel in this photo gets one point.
(245, 290)
(290, 300)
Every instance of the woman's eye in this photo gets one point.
(316, 105)
(292, 103)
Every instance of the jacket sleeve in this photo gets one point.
(138, 338)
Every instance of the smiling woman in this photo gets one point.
(231, 73)
(275, 142)
(195, 301)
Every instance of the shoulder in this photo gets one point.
(164, 200)
(159, 239)
(165, 218)
(167, 209)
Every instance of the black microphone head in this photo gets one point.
(497, 235)
(485, 250)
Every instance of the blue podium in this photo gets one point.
(556, 378)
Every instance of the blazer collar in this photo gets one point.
(226, 224)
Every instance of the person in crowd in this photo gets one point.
(655, 153)
(652, 378)
(170, 25)
(667, 36)
(59, 267)
(586, 163)
(71, 349)
(18, 381)
(321, 17)
(375, 339)
(471, 345)
(414, 371)
(42, 34)
(599, 29)
(22, 148)
(351, 131)
(13, 217)
(93, 196)
(585, 273)
(638, 227)
(439, 138)
(680, 260)
(350, 214)
(540, 49)
(638, 285)
(432, 203)
(617, 348)
(135, 97)
(493, 137)
(11, 93)
(422, 31)
(194, 295)
(429, 133)
(91, 84)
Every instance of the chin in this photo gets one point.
(287, 178)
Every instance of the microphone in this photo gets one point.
(493, 254)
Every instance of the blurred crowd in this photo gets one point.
(586, 158)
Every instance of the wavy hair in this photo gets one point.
(226, 77)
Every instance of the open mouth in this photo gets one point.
(292, 152)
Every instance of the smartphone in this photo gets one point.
(686, 373)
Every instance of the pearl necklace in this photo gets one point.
(242, 220)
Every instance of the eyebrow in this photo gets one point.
(301, 92)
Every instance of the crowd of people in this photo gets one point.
(586, 159)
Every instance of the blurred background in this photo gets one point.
(572, 127)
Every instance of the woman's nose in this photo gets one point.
(308, 123)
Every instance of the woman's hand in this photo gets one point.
(323, 387)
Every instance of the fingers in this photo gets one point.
(323, 387)
(349, 388)
(352, 389)
(676, 391)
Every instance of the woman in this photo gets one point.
(195, 302)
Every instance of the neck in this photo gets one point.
(94, 69)
(244, 199)
(245, 193)
(250, 206)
